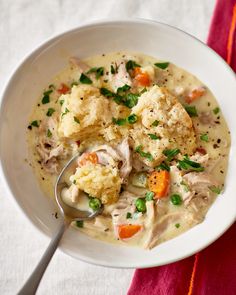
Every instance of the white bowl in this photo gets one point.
(34, 74)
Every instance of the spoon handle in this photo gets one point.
(31, 285)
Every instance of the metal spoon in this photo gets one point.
(69, 214)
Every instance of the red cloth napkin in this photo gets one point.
(213, 270)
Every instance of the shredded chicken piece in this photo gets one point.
(76, 62)
(108, 155)
(109, 150)
(199, 181)
(199, 184)
(124, 151)
(139, 165)
(49, 148)
(150, 214)
(125, 204)
(121, 78)
(154, 232)
(206, 118)
(105, 159)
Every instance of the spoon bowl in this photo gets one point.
(69, 214)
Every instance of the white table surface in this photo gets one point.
(23, 25)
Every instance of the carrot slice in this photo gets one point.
(159, 182)
(126, 231)
(141, 77)
(88, 157)
(64, 89)
(195, 94)
(137, 71)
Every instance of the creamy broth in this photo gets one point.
(212, 138)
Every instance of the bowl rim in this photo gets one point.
(3, 97)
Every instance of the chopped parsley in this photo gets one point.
(162, 65)
(46, 96)
(113, 71)
(191, 110)
(153, 136)
(106, 92)
(170, 154)
(118, 99)
(204, 137)
(131, 100)
(216, 110)
(121, 97)
(34, 123)
(139, 150)
(128, 215)
(119, 121)
(155, 123)
(50, 112)
(74, 181)
(132, 119)
(85, 79)
(163, 166)
(98, 71)
(177, 225)
(61, 101)
(49, 133)
(51, 86)
(176, 199)
(215, 189)
(122, 89)
(149, 196)
(65, 112)
(79, 223)
(131, 64)
(187, 164)
(76, 120)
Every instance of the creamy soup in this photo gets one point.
(152, 142)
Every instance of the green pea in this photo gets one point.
(94, 203)
(176, 199)
(80, 223)
(141, 205)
